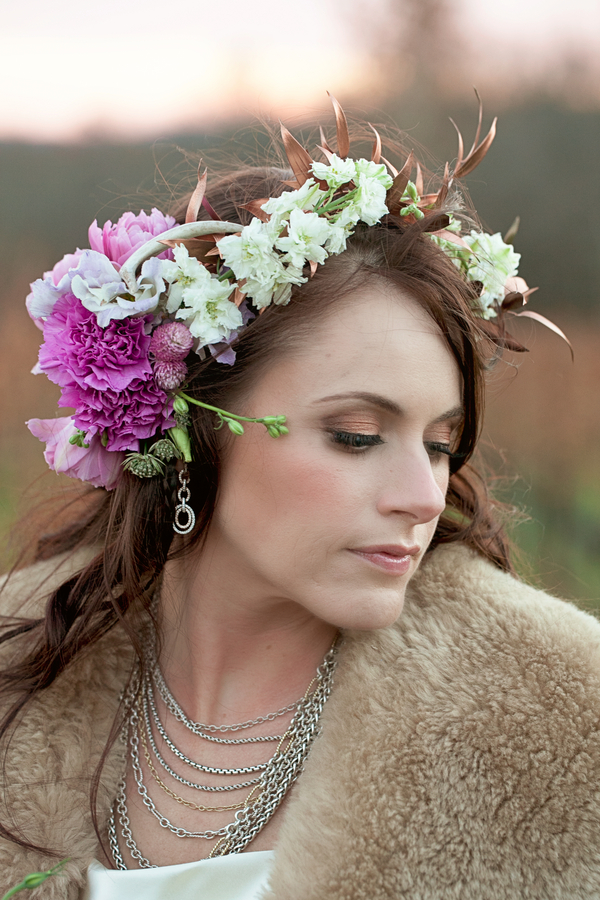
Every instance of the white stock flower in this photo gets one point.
(250, 254)
(374, 172)
(370, 199)
(307, 232)
(279, 208)
(338, 172)
(182, 273)
(277, 291)
(492, 263)
(207, 310)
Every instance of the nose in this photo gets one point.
(414, 488)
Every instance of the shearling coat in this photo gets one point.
(459, 758)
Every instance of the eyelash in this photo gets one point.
(355, 442)
(435, 450)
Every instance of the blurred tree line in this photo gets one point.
(543, 424)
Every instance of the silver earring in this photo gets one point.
(185, 518)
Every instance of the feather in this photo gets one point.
(193, 207)
(343, 138)
(394, 195)
(376, 152)
(299, 159)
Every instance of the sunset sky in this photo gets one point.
(136, 68)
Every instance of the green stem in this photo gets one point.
(229, 415)
(341, 201)
(34, 880)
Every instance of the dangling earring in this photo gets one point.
(185, 518)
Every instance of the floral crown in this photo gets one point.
(120, 319)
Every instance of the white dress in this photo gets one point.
(239, 876)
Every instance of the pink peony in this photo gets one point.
(93, 464)
(69, 261)
(119, 241)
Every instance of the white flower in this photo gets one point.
(307, 232)
(207, 310)
(374, 172)
(96, 283)
(338, 235)
(250, 254)
(338, 172)
(493, 262)
(277, 291)
(183, 273)
(370, 199)
(279, 208)
(150, 286)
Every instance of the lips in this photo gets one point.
(395, 559)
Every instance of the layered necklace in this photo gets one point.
(267, 782)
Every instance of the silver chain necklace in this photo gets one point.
(203, 730)
(276, 776)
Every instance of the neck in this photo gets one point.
(230, 650)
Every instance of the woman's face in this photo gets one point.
(336, 515)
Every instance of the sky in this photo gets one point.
(139, 68)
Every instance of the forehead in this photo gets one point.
(378, 339)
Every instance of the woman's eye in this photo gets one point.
(436, 450)
(354, 440)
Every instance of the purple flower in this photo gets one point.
(93, 464)
(78, 352)
(119, 241)
(124, 417)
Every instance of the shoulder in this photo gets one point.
(468, 733)
(491, 619)
(25, 591)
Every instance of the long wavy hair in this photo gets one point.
(128, 530)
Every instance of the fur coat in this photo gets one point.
(460, 753)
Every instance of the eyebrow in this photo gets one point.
(457, 412)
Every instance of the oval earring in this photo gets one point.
(185, 518)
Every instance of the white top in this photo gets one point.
(239, 876)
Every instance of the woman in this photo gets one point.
(325, 676)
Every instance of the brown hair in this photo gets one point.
(131, 526)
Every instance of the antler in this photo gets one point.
(179, 233)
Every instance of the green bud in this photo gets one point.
(419, 214)
(411, 190)
(181, 439)
(104, 439)
(283, 430)
(36, 878)
(273, 430)
(270, 420)
(180, 405)
(78, 439)
(235, 427)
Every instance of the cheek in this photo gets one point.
(276, 487)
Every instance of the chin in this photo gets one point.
(372, 614)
